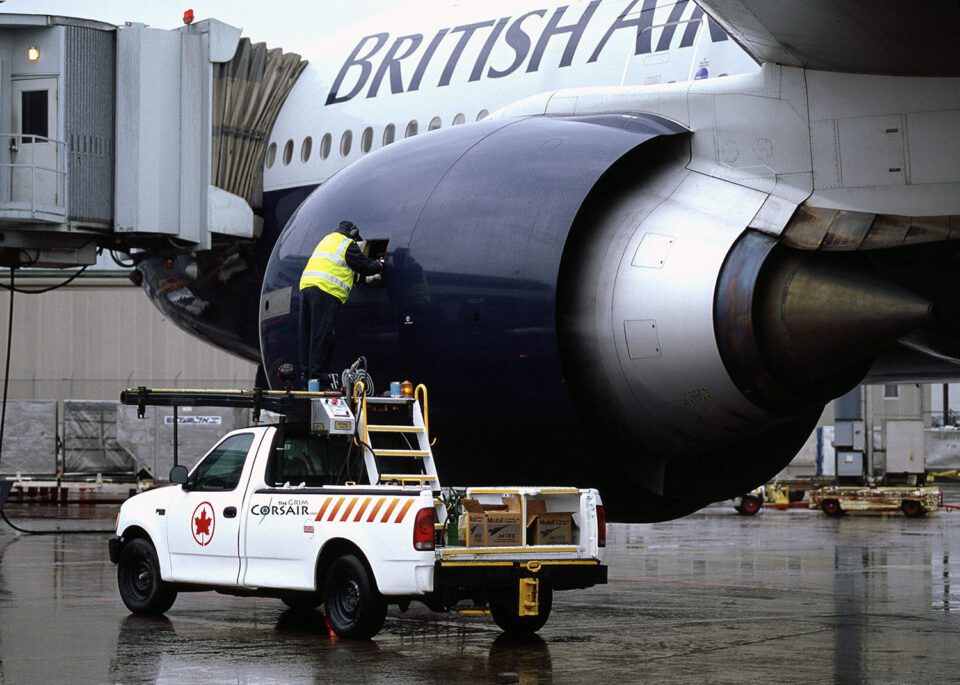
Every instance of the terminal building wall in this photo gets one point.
(101, 334)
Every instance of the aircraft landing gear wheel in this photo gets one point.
(750, 505)
(353, 605)
(912, 509)
(831, 507)
(504, 608)
(138, 578)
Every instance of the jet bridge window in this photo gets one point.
(33, 109)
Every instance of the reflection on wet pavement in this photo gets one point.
(789, 595)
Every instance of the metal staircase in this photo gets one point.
(394, 436)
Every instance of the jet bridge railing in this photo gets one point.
(34, 179)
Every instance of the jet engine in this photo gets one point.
(587, 310)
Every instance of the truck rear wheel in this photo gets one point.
(142, 589)
(505, 607)
(353, 605)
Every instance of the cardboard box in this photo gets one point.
(503, 528)
(472, 524)
(551, 529)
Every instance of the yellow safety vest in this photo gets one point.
(327, 268)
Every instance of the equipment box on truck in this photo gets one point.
(340, 504)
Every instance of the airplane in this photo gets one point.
(632, 244)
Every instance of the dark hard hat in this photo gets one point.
(349, 229)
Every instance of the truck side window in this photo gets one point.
(222, 467)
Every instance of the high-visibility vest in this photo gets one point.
(327, 268)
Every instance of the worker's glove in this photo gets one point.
(381, 263)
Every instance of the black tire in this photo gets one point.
(301, 601)
(353, 605)
(504, 607)
(142, 589)
(831, 507)
(750, 505)
(912, 509)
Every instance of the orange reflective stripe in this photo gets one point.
(362, 509)
(393, 505)
(346, 512)
(376, 509)
(336, 508)
(323, 509)
(403, 512)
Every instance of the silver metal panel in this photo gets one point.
(934, 147)
(90, 438)
(642, 340)
(30, 437)
(653, 250)
(905, 446)
(89, 86)
(871, 151)
(849, 464)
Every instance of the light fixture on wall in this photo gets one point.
(33, 53)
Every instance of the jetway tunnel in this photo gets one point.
(131, 138)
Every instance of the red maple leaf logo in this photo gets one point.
(203, 523)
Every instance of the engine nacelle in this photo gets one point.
(553, 282)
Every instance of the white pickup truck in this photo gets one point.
(296, 512)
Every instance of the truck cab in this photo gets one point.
(354, 520)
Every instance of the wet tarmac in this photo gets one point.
(788, 596)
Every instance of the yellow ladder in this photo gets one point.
(416, 435)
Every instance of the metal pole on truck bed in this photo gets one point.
(176, 435)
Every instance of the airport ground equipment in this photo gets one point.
(312, 512)
(914, 502)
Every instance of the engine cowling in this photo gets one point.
(554, 281)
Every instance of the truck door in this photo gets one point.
(203, 525)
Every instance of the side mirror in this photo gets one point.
(179, 475)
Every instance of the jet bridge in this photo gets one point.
(131, 138)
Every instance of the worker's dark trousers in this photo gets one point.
(318, 321)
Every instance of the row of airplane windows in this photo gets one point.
(366, 140)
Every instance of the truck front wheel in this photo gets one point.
(353, 605)
(142, 589)
(505, 609)
(831, 507)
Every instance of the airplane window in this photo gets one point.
(411, 129)
(434, 124)
(389, 134)
(287, 152)
(306, 149)
(271, 155)
(345, 142)
(483, 114)
(459, 119)
(325, 145)
(366, 140)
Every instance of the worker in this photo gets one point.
(325, 285)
